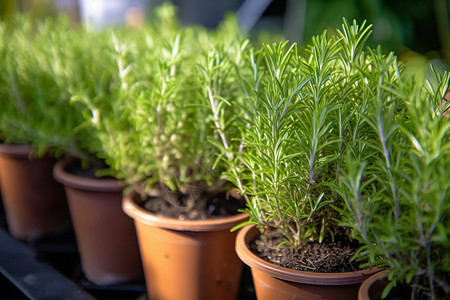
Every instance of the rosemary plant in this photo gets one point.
(396, 178)
(94, 91)
(118, 69)
(294, 126)
(131, 86)
(219, 68)
(156, 133)
(36, 68)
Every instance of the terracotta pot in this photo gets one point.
(190, 259)
(35, 204)
(373, 287)
(105, 235)
(275, 282)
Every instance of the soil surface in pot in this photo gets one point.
(400, 292)
(76, 167)
(330, 256)
(404, 291)
(195, 204)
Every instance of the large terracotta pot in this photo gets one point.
(275, 282)
(189, 259)
(35, 204)
(373, 287)
(106, 236)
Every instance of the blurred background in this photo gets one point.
(418, 31)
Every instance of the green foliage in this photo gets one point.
(6, 9)
(219, 69)
(339, 136)
(47, 67)
(395, 183)
(134, 98)
(153, 123)
(132, 89)
(293, 124)
(408, 27)
(36, 66)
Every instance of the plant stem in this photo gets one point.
(217, 124)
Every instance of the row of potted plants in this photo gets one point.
(101, 114)
(32, 87)
(42, 65)
(328, 149)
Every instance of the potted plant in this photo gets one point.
(33, 87)
(45, 63)
(106, 237)
(298, 115)
(395, 184)
(157, 141)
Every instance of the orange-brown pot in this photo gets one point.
(105, 235)
(189, 259)
(35, 204)
(275, 282)
(373, 287)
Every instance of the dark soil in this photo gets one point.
(197, 204)
(326, 257)
(77, 168)
(403, 291)
(400, 292)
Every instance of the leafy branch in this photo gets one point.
(396, 189)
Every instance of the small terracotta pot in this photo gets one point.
(275, 282)
(189, 259)
(106, 236)
(373, 287)
(35, 204)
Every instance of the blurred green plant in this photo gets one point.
(37, 62)
(6, 10)
(395, 180)
(416, 30)
(152, 120)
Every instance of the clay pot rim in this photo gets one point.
(78, 182)
(363, 293)
(139, 214)
(247, 233)
(16, 150)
